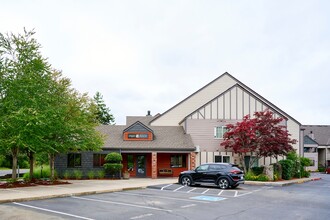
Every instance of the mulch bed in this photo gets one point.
(16, 184)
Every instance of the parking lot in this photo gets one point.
(173, 201)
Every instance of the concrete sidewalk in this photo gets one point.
(78, 187)
(86, 187)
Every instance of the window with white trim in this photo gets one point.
(219, 131)
(221, 159)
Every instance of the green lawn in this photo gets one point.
(4, 168)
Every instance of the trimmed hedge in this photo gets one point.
(287, 169)
(113, 157)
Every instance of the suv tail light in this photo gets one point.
(235, 171)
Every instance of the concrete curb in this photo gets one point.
(69, 194)
(282, 183)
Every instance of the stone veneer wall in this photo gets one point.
(61, 162)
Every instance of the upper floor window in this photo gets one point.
(221, 159)
(219, 131)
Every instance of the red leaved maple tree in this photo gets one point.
(261, 136)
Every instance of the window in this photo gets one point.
(226, 159)
(221, 159)
(219, 131)
(74, 160)
(310, 149)
(247, 160)
(130, 162)
(98, 160)
(178, 160)
(204, 167)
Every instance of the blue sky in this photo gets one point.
(149, 55)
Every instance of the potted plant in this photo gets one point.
(126, 175)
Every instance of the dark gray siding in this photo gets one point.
(61, 163)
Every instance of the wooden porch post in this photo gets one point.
(154, 165)
(192, 160)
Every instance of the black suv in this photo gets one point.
(224, 175)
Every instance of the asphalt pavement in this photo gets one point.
(9, 172)
(86, 187)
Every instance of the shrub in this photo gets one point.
(287, 169)
(113, 168)
(39, 173)
(91, 174)
(113, 165)
(321, 168)
(250, 176)
(66, 174)
(262, 177)
(113, 157)
(77, 174)
(257, 170)
(277, 171)
(100, 174)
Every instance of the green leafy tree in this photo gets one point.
(24, 82)
(103, 114)
(71, 121)
(39, 111)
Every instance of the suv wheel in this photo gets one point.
(223, 183)
(186, 181)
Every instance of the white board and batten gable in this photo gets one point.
(224, 100)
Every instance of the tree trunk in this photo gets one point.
(14, 152)
(31, 160)
(51, 165)
(241, 157)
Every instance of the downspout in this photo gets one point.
(301, 148)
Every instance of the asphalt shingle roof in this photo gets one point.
(308, 140)
(166, 138)
(321, 133)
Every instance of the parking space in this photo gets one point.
(174, 201)
(211, 190)
(171, 201)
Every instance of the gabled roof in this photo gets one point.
(166, 138)
(321, 133)
(309, 141)
(245, 90)
(216, 87)
(137, 126)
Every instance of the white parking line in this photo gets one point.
(220, 192)
(178, 189)
(187, 206)
(142, 216)
(205, 191)
(158, 197)
(166, 186)
(48, 210)
(243, 194)
(120, 203)
(191, 190)
(236, 192)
